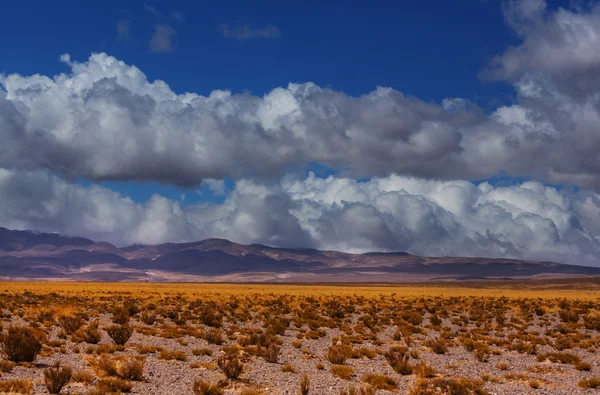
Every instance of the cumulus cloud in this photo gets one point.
(428, 217)
(560, 49)
(162, 38)
(247, 32)
(105, 121)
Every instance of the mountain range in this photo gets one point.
(50, 256)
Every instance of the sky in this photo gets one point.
(438, 128)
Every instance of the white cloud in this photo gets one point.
(247, 32)
(560, 49)
(420, 216)
(105, 121)
(162, 38)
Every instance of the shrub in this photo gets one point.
(592, 382)
(112, 385)
(169, 355)
(583, 366)
(271, 354)
(202, 387)
(361, 390)
(423, 370)
(342, 371)
(132, 369)
(6, 366)
(202, 351)
(380, 381)
(90, 334)
(70, 323)
(452, 386)
(120, 333)
(399, 362)
(535, 384)
(559, 357)
(338, 354)
(20, 344)
(83, 376)
(148, 318)
(56, 377)
(438, 346)
(231, 365)
(120, 316)
(214, 336)
(305, 385)
(16, 387)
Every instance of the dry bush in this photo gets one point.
(380, 381)
(6, 366)
(149, 349)
(360, 390)
(202, 387)
(535, 384)
(398, 360)
(338, 354)
(89, 334)
(592, 382)
(132, 369)
(20, 343)
(119, 366)
(83, 376)
(203, 365)
(56, 377)
(202, 351)
(437, 345)
(583, 366)
(172, 355)
(113, 385)
(424, 370)
(342, 371)
(70, 323)
(120, 333)
(271, 353)
(560, 357)
(148, 318)
(364, 352)
(304, 385)
(214, 336)
(231, 365)
(120, 316)
(448, 386)
(16, 386)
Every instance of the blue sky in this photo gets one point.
(430, 49)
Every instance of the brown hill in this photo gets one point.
(33, 255)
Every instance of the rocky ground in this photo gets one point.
(511, 366)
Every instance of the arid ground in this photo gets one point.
(454, 338)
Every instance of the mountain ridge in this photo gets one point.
(47, 256)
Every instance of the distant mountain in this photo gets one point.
(33, 255)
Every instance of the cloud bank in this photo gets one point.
(392, 213)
